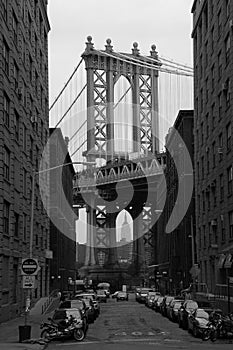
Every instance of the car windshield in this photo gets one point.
(202, 314)
(121, 294)
(168, 299)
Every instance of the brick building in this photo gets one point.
(213, 67)
(174, 249)
(24, 28)
(62, 217)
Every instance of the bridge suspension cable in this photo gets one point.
(62, 90)
(67, 111)
(139, 63)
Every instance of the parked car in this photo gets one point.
(101, 295)
(92, 296)
(122, 296)
(150, 296)
(185, 310)
(198, 320)
(157, 304)
(143, 294)
(172, 311)
(114, 295)
(137, 293)
(91, 314)
(166, 300)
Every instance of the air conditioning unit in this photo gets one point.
(34, 119)
(213, 222)
(220, 150)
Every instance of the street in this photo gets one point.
(125, 325)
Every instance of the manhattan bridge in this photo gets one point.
(116, 109)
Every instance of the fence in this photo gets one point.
(53, 296)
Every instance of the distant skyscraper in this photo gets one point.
(126, 230)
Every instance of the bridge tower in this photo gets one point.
(103, 69)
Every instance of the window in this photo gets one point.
(30, 68)
(6, 168)
(208, 161)
(229, 180)
(16, 224)
(36, 46)
(24, 182)
(223, 231)
(202, 133)
(207, 125)
(220, 149)
(227, 93)
(213, 77)
(15, 281)
(204, 236)
(31, 149)
(6, 217)
(220, 105)
(203, 201)
(227, 8)
(201, 67)
(5, 280)
(24, 132)
(206, 55)
(230, 224)
(214, 153)
(202, 167)
(213, 115)
(25, 227)
(45, 41)
(206, 17)
(219, 65)
(207, 89)
(6, 110)
(29, 28)
(214, 193)
(4, 9)
(227, 49)
(212, 39)
(221, 187)
(219, 23)
(200, 33)
(5, 57)
(16, 76)
(15, 28)
(16, 125)
(215, 233)
(228, 132)
(208, 200)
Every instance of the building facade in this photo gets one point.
(24, 28)
(175, 252)
(213, 67)
(62, 216)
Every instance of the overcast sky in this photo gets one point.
(166, 23)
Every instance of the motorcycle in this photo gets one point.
(66, 329)
(219, 327)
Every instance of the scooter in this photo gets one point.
(66, 329)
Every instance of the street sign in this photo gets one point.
(29, 266)
(29, 282)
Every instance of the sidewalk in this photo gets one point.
(9, 331)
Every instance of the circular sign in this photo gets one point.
(29, 266)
